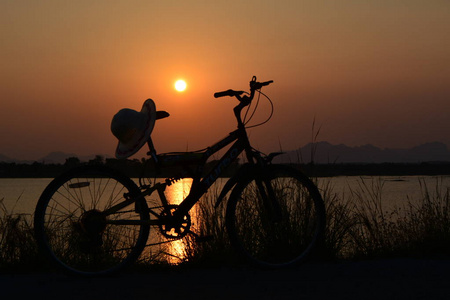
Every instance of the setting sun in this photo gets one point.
(180, 85)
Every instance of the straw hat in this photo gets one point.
(133, 128)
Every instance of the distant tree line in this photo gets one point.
(131, 167)
(375, 169)
(136, 168)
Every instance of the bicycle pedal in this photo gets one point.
(205, 238)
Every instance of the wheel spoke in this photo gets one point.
(71, 228)
(275, 225)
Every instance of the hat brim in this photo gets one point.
(125, 150)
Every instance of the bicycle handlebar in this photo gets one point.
(254, 85)
(230, 93)
(245, 100)
(257, 85)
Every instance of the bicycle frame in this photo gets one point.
(200, 185)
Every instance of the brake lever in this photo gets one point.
(254, 85)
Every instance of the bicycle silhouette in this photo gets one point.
(94, 220)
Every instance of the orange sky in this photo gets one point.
(369, 71)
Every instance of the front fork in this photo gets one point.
(266, 189)
(269, 200)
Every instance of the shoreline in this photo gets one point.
(134, 169)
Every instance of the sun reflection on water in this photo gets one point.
(175, 194)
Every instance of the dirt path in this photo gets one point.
(382, 279)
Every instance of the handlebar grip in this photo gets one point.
(266, 83)
(230, 93)
(254, 85)
(222, 94)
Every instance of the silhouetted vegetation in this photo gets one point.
(17, 245)
(382, 169)
(131, 167)
(135, 168)
(359, 226)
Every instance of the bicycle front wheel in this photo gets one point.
(275, 220)
(72, 230)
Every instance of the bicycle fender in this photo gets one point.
(242, 172)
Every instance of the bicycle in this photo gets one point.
(94, 220)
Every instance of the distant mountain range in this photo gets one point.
(324, 152)
(321, 152)
(4, 158)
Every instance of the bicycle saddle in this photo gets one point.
(181, 158)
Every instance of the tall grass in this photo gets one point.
(17, 244)
(340, 223)
(214, 248)
(359, 226)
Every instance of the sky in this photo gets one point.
(363, 71)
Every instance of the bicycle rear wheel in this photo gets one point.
(279, 231)
(72, 230)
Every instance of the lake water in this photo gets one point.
(20, 195)
(395, 190)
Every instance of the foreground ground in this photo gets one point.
(378, 279)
